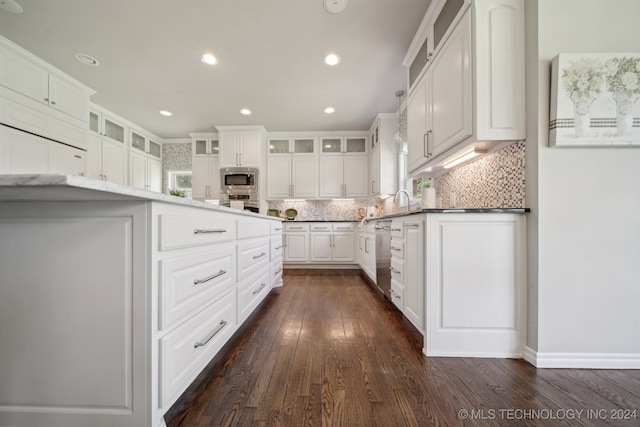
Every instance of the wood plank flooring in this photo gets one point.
(328, 350)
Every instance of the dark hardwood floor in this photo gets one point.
(327, 350)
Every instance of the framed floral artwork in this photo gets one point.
(594, 100)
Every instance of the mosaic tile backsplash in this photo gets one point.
(496, 180)
(323, 210)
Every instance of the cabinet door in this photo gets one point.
(374, 171)
(297, 249)
(343, 247)
(67, 160)
(200, 177)
(94, 156)
(320, 247)
(68, 97)
(414, 285)
(25, 153)
(418, 122)
(137, 170)
(250, 149)
(279, 176)
(229, 142)
(154, 175)
(451, 90)
(355, 176)
(303, 176)
(23, 76)
(114, 162)
(331, 169)
(214, 177)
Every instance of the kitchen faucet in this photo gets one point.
(395, 198)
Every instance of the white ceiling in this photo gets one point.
(270, 56)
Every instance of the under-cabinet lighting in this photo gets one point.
(294, 200)
(385, 196)
(463, 158)
(342, 200)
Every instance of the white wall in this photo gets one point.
(587, 208)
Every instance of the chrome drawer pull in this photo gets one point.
(259, 256)
(411, 225)
(199, 231)
(278, 247)
(295, 228)
(279, 271)
(206, 279)
(222, 324)
(396, 229)
(396, 296)
(278, 229)
(393, 248)
(393, 270)
(260, 288)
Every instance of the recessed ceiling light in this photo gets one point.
(329, 110)
(166, 113)
(10, 6)
(335, 6)
(209, 59)
(87, 59)
(245, 111)
(332, 59)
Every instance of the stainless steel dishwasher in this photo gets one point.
(383, 256)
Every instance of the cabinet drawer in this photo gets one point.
(276, 247)
(397, 294)
(276, 227)
(276, 273)
(397, 270)
(396, 229)
(252, 255)
(320, 227)
(186, 350)
(189, 282)
(397, 248)
(252, 291)
(346, 226)
(178, 231)
(296, 227)
(248, 229)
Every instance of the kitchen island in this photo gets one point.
(113, 299)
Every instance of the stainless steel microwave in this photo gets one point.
(239, 181)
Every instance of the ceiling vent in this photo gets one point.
(335, 6)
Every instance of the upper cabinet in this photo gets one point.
(31, 77)
(347, 145)
(383, 162)
(292, 168)
(467, 93)
(241, 146)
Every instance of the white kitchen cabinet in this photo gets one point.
(331, 242)
(296, 240)
(353, 145)
(343, 176)
(475, 285)
(25, 153)
(413, 280)
(240, 147)
(292, 168)
(383, 162)
(205, 170)
(145, 172)
(145, 164)
(471, 92)
(106, 159)
(33, 78)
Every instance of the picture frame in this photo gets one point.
(594, 100)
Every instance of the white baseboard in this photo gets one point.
(582, 360)
(472, 354)
(310, 266)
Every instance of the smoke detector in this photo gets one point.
(10, 6)
(335, 6)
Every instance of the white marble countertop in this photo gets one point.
(72, 188)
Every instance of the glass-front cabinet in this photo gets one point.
(350, 145)
(206, 146)
(292, 146)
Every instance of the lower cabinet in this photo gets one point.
(331, 242)
(164, 296)
(367, 249)
(412, 273)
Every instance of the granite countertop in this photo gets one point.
(455, 210)
(73, 188)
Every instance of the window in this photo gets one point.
(179, 180)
